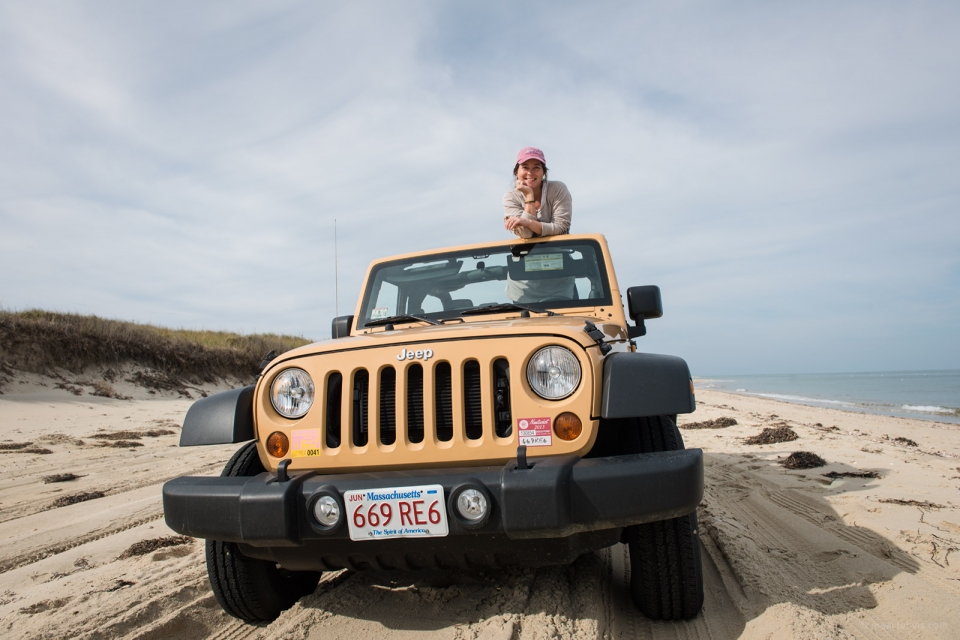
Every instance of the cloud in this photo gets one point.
(786, 174)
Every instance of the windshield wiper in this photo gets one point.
(401, 318)
(501, 308)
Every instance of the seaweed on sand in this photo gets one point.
(851, 474)
(716, 423)
(803, 460)
(74, 498)
(60, 477)
(773, 436)
(148, 546)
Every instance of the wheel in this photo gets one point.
(666, 576)
(247, 588)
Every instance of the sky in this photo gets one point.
(787, 173)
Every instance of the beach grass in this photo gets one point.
(44, 341)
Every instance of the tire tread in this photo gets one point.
(666, 579)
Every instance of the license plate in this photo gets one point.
(396, 512)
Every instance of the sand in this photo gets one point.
(787, 553)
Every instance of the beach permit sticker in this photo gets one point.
(304, 443)
(535, 432)
(379, 313)
(544, 262)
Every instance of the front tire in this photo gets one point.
(247, 588)
(666, 575)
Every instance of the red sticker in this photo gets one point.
(535, 432)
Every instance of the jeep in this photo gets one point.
(485, 406)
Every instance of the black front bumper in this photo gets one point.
(554, 498)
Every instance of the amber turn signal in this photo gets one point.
(567, 426)
(278, 444)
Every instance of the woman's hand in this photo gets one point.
(512, 222)
(525, 188)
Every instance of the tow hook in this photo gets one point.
(282, 471)
(522, 459)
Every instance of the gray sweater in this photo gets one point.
(556, 209)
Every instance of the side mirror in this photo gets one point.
(340, 327)
(643, 303)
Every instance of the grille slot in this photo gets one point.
(334, 405)
(502, 418)
(415, 403)
(361, 389)
(388, 406)
(472, 409)
(444, 401)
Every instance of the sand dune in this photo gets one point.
(787, 553)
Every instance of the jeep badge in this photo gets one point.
(424, 355)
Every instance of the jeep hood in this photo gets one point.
(566, 326)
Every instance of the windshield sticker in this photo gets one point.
(379, 313)
(535, 432)
(304, 443)
(420, 266)
(544, 262)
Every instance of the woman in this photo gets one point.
(536, 207)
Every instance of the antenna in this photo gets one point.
(336, 271)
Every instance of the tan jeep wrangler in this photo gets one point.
(486, 406)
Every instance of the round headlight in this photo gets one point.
(553, 373)
(292, 393)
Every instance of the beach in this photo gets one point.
(865, 546)
(925, 395)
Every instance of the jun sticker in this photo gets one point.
(544, 262)
(304, 443)
(378, 313)
(535, 432)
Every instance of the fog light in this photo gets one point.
(472, 505)
(278, 444)
(567, 426)
(327, 511)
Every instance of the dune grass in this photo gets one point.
(44, 341)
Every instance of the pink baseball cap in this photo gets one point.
(531, 153)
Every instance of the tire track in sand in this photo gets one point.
(802, 565)
(65, 528)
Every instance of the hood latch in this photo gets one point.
(591, 330)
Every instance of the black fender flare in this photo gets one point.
(223, 418)
(639, 385)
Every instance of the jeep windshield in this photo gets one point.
(543, 276)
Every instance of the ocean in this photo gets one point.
(926, 395)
